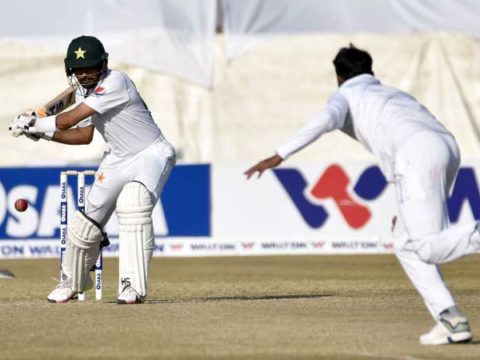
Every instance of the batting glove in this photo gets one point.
(21, 124)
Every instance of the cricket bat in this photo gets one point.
(62, 101)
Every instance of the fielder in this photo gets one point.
(421, 158)
(129, 180)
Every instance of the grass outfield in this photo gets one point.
(295, 307)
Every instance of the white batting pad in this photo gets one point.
(83, 246)
(134, 213)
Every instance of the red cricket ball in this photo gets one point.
(21, 205)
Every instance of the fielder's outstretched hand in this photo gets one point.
(263, 165)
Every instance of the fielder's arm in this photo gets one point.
(268, 163)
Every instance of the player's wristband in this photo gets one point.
(46, 124)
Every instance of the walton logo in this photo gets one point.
(333, 184)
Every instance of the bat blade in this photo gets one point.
(62, 101)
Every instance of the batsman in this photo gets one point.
(129, 180)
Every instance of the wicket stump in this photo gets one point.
(64, 223)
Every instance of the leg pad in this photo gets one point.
(134, 212)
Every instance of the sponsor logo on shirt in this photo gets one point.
(100, 90)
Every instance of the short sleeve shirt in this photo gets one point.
(121, 116)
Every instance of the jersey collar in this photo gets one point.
(361, 79)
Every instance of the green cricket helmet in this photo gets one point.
(85, 52)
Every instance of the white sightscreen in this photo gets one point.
(247, 22)
(173, 36)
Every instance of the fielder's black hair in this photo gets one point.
(351, 62)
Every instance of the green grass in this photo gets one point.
(296, 307)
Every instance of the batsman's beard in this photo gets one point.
(84, 83)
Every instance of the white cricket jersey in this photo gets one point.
(122, 117)
(378, 116)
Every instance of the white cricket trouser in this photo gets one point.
(425, 168)
(151, 167)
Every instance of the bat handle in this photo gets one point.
(42, 112)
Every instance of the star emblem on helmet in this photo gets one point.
(80, 53)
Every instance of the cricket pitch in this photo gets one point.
(272, 307)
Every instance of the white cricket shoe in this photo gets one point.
(130, 296)
(63, 292)
(448, 331)
(6, 274)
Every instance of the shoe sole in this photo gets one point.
(124, 302)
(137, 301)
(74, 297)
(58, 302)
(460, 338)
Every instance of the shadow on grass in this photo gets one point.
(235, 298)
(473, 342)
(238, 298)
